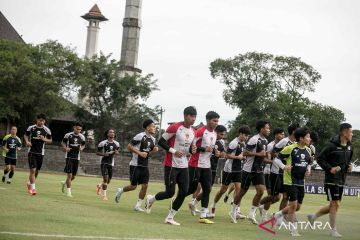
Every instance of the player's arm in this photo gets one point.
(132, 146)
(64, 143)
(100, 150)
(324, 157)
(167, 135)
(48, 138)
(268, 158)
(283, 156)
(4, 144)
(26, 137)
(19, 144)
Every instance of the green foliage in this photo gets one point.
(264, 86)
(113, 98)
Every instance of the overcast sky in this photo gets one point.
(179, 39)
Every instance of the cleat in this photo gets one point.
(239, 215)
(148, 204)
(104, 197)
(29, 189)
(205, 221)
(3, 179)
(253, 219)
(98, 189)
(33, 192)
(171, 222)
(8, 181)
(118, 195)
(139, 209)
(192, 209)
(63, 186)
(232, 217)
(69, 195)
(334, 233)
(226, 198)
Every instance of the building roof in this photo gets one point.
(95, 13)
(7, 31)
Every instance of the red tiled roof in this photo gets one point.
(95, 13)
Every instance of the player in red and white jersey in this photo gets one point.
(200, 164)
(176, 141)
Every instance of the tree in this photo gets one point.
(34, 79)
(264, 86)
(113, 99)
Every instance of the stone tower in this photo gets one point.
(131, 35)
(94, 17)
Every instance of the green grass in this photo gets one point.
(51, 212)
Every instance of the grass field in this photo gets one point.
(86, 216)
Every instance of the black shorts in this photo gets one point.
(333, 192)
(228, 178)
(295, 193)
(213, 176)
(180, 176)
(139, 175)
(252, 177)
(35, 160)
(267, 181)
(106, 170)
(71, 166)
(10, 161)
(276, 184)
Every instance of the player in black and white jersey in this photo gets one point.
(73, 143)
(253, 170)
(273, 181)
(107, 149)
(36, 136)
(277, 176)
(141, 146)
(11, 144)
(232, 168)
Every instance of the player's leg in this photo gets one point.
(205, 181)
(192, 188)
(143, 180)
(134, 181)
(12, 171)
(170, 184)
(6, 169)
(230, 190)
(182, 179)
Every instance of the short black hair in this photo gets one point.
(78, 124)
(41, 115)
(292, 127)
(147, 122)
(244, 130)
(220, 128)
(314, 136)
(278, 130)
(344, 126)
(301, 133)
(211, 115)
(191, 110)
(261, 124)
(107, 131)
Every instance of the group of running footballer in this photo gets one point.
(191, 161)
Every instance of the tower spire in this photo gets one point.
(94, 17)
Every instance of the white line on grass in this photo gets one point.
(79, 237)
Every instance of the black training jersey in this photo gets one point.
(108, 147)
(236, 148)
(11, 143)
(220, 146)
(74, 142)
(143, 143)
(255, 144)
(34, 132)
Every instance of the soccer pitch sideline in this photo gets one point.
(52, 215)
